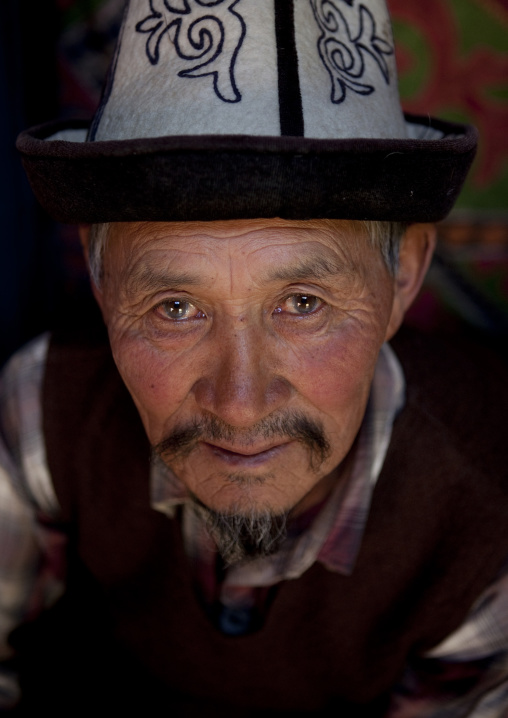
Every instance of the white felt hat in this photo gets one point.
(219, 109)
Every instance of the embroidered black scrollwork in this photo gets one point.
(213, 40)
(343, 53)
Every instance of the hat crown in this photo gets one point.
(235, 109)
(312, 68)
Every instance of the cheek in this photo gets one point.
(335, 375)
(157, 380)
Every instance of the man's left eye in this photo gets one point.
(178, 309)
(301, 304)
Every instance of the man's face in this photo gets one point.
(249, 349)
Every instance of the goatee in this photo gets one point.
(244, 535)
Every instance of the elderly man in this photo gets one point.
(322, 526)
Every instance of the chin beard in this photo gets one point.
(244, 536)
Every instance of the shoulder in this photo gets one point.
(20, 389)
(22, 446)
(442, 496)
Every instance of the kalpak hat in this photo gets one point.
(229, 109)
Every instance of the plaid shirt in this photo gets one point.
(466, 675)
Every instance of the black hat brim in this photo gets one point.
(202, 177)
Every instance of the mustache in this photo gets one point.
(294, 426)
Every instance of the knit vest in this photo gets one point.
(436, 536)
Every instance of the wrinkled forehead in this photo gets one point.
(262, 249)
(349, 237)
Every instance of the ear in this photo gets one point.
(416, 249)
(84, 236)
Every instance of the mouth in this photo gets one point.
(245, 458)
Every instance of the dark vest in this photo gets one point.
(435, 537)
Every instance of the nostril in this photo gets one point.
(204, 393)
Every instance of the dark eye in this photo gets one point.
(178, 309)
(302, 304)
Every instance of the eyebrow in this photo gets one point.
(315, 268)
(147, 279)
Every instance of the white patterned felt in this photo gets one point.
(192, 67)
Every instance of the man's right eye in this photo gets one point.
(178, 310)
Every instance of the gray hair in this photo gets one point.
(96, 245)
(244, 535)
(385, 235)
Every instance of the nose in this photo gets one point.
(240, 384)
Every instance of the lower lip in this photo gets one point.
(245, 460)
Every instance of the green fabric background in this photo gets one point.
(453, 62)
